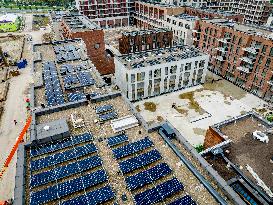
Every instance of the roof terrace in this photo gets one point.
(159, 56)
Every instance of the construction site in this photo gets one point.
(99, 111)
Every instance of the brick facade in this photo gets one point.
(244, 58)
(145, 40)
(94, 40)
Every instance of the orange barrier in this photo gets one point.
(16, 145)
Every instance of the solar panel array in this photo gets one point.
(53, 90)
(78, 80)
(66, 53)
(105, 113)
(50, 184)
(118, 139)
(185, 200)
(159, 193)
(76, 96)
(147, 174)
(132, 148)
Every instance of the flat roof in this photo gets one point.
(186, 17)
(265, 32)
(245, 150)
(79, 22)
(94, 158)
(145, 31)
(159, 56)
(8, 18)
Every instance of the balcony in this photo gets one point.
(252, 50)
(243, 69)
(247, 60)
(221, 49)
(270, 82)
(224, 40)
(219, 58)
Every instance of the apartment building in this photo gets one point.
(254, 11)
(242, 54)
(180, 20)
(107, 13)
(159, 71)
(212, 13)
(143, 40)
(79, 26)
(270, 21)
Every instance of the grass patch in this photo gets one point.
(243, 112)
(160, 118)
(199, 131)
(199, 148)
(227, 102)
(193, 104)
(150, 106)
(181, 111)
(138, 108)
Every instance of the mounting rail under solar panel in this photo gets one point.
(64, 171)
(132, 148)
(118, 139)
(185, 200)
(134, 163)
(148, 176)
(159, 193)
(95, 197)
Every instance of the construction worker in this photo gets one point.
(15, 122)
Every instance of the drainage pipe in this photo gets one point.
(214, 193)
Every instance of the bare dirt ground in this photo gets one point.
(15, 109)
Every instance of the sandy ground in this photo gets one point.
(219, 101)
(15, 110)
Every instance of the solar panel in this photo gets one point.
(185, 200)
(62, 157)
(148, 176)
(132, 148)
(139, 161)
(118, 139)
(97, 196)
(107, 116)
(103, 109)
(159, 193)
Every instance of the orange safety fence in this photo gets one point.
(16, 145)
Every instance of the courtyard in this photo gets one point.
(192, 110)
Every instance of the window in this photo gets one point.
(97, 46)
(271, 52)
(264, 49)
(268, 61)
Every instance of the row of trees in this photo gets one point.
(63, 3)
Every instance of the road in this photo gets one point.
(15, 109)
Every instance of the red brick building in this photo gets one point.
(240, 53)
(79, 26)
(138, 41)
(211, 14)
(106, 13)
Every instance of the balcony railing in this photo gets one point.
(243, 69)
(252, 50)
(247, 60)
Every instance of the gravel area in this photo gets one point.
(245, 150)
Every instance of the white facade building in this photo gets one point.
(151, 73)
(182, 26)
